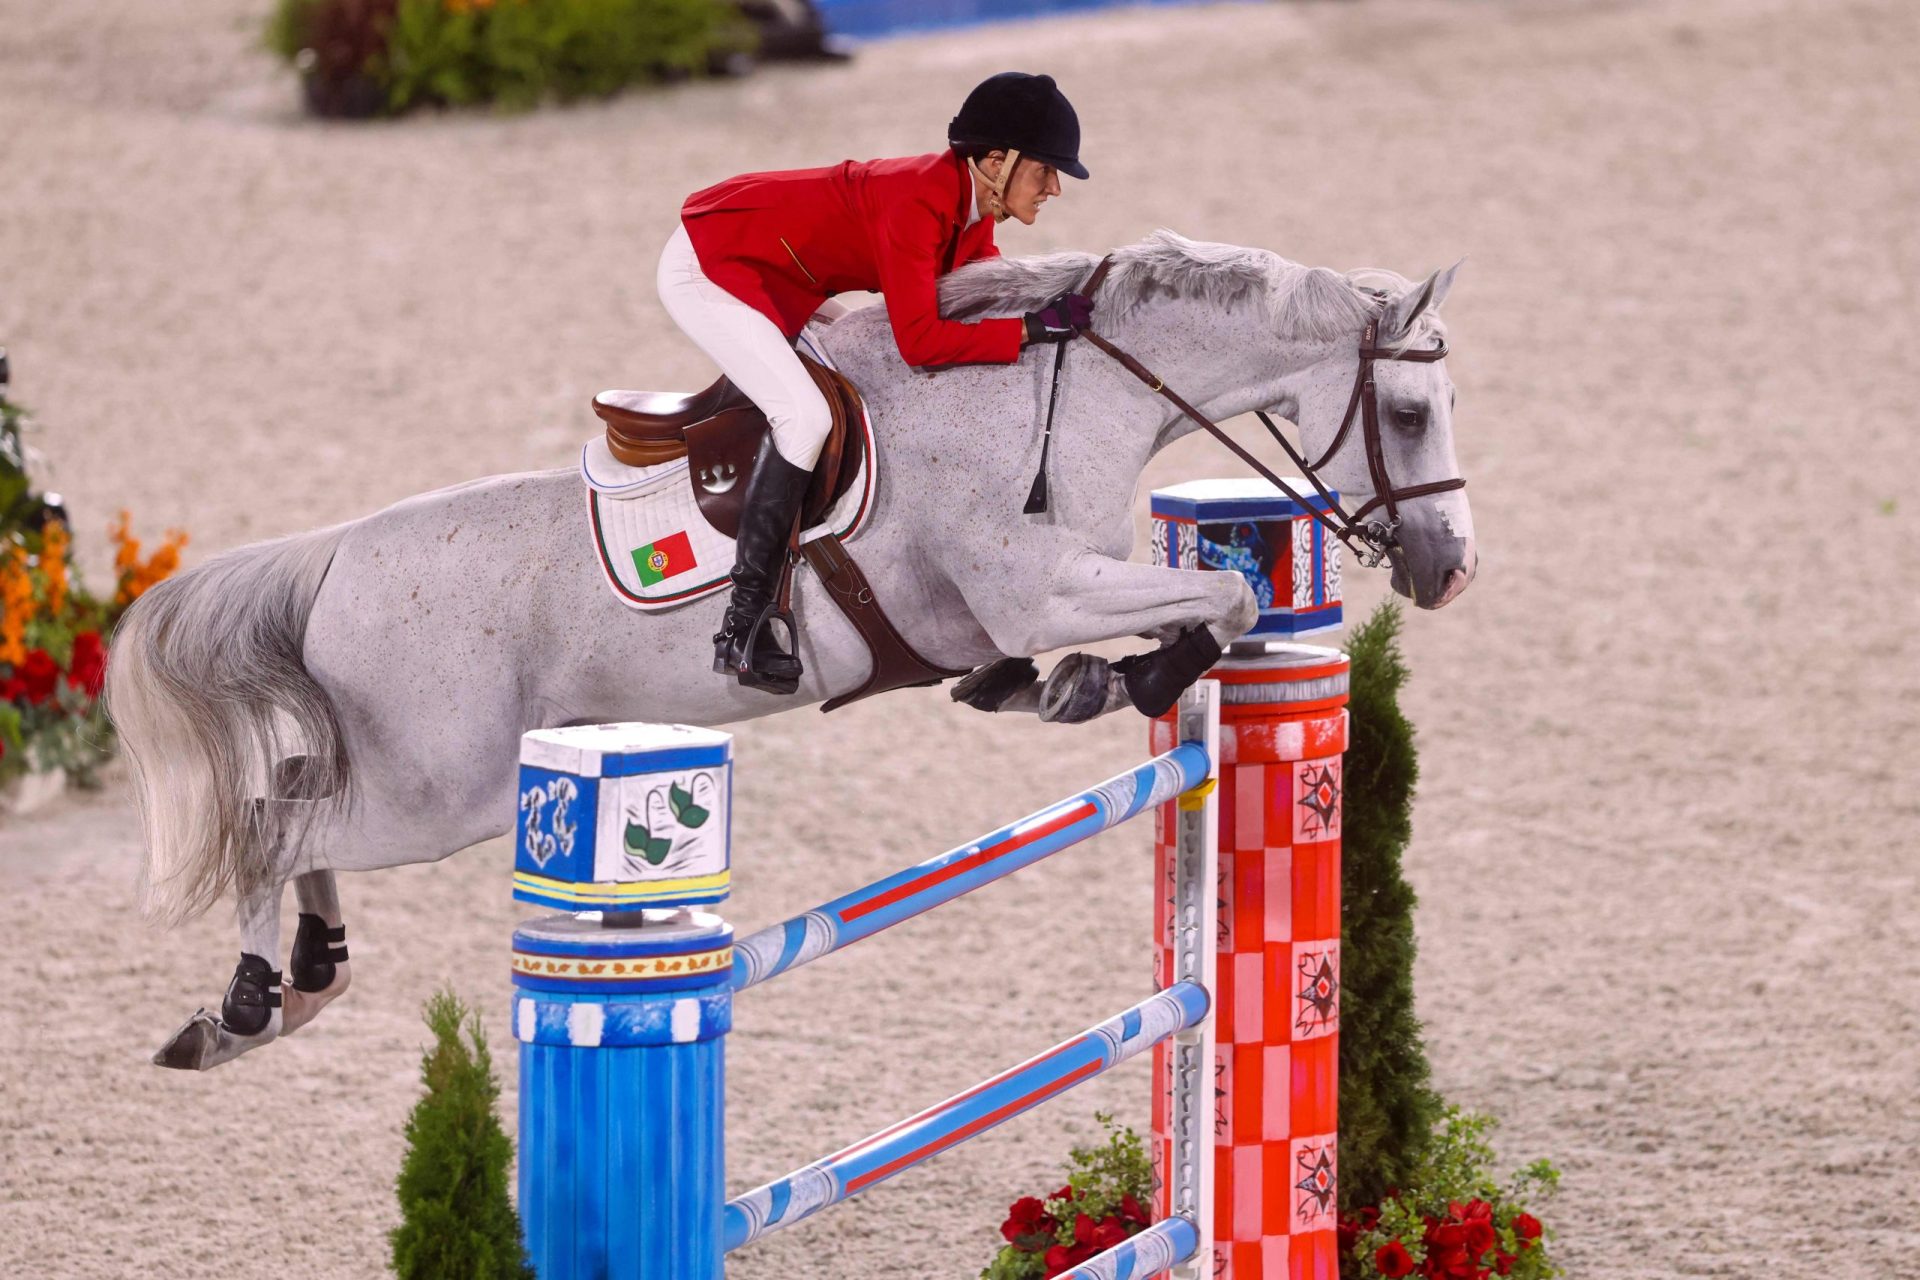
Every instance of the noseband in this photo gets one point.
(1370, 540)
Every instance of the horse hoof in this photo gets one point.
(1076, 689)
(203, 1043)
(988, 688)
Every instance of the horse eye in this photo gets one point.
(1407, 417)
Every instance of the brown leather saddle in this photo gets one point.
(719, 431)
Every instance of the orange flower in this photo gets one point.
(16, 605)
(135, 577)
(54, 542)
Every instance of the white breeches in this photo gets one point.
(750, 349)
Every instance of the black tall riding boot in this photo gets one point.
(745, 646)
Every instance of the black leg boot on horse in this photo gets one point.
(745, 646)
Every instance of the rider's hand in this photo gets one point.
(1060, 319)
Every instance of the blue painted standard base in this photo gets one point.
(622, 1094)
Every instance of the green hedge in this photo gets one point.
(362, 57)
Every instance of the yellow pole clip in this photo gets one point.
(1196, 799)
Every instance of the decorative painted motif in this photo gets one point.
(547, 830)
(1316, 989)
(1304, 579)
(1245, 548)
(1316, 800)
(586, 969)
(666, 826)
(1316, 1184)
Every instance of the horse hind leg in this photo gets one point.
(251, 1014)
(318, 969)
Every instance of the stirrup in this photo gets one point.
(740, 660)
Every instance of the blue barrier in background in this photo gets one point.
(868, 18)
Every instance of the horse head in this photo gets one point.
(1376, 423)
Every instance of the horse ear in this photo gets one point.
(1404, 310)
(1444, 282)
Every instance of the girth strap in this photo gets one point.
(895, 664)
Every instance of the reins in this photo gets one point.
(1376, 538)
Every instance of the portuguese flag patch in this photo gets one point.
(663, 559)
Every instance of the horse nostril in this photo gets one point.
(1454, 583)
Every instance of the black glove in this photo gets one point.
(1060, 319)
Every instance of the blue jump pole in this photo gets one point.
(1164, 1245)
(864, 912)
(867, 1163)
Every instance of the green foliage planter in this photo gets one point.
(457, 1219)
(383, 57)
(1388, 1107)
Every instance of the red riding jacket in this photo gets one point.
(785, 242)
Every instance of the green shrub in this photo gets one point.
(1388, 1108)
(456, 1219)
(514, 53)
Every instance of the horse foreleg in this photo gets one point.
(317, 972)
(1195, 614)
(251, 1015)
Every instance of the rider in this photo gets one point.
(756, 256)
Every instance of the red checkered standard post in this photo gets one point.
(1283, 733)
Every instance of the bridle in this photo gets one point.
(1370, 540)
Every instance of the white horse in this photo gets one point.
(353, 698)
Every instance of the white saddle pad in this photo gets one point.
(655, 547)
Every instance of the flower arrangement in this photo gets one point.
(383, 57)
(1103, 1203)
(1456, 1223)
(53, 632)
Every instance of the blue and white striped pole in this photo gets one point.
(899, 1147)
(905, 894)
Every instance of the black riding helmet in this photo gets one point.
(1024, 113)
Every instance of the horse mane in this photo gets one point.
(1305, 303)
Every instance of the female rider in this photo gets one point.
(756, 256)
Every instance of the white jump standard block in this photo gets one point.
(619, 817)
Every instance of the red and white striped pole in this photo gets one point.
(1283, 732)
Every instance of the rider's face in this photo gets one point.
(1033, 183)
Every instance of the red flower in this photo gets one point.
(1526, 1226)
(37, 676)
(1393, 1259)
(1028, 1227)
(1133, 1211)
(12, 689)
(1480, 1236)
(1503, 1262)
(88, 670)
(1450, 1252)
(1108, 1232)
(1064, 1193)
(1064, 1257)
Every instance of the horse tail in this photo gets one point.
(209, 692)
